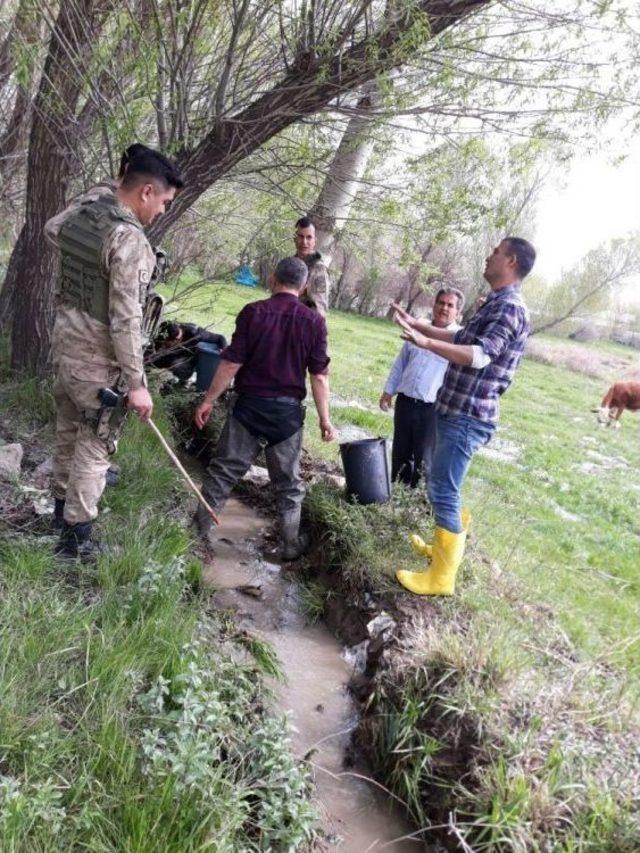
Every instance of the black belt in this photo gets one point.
(414, 400)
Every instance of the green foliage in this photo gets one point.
(27, 399)
(263, 653)
(203, 742)
(312, 596)
(30, 400)
(468, 731)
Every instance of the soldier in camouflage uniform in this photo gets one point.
(107, 265)
(316, 294)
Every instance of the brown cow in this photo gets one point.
(621, 396)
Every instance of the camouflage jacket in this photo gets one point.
(316, 292)
(129, 261)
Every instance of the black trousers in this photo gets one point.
(414, 440)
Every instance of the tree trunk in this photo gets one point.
(10, 293)
(413, 277)
(33, 265)
(342, 183)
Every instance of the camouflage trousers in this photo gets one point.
(80, 458)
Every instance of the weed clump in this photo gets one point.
(504, 754)
(366, 542)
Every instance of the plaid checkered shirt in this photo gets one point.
(501, 327)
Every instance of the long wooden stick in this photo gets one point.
(180, 468)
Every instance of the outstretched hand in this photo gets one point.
(410, 334)
(400, 315)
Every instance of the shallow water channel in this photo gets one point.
(357, 815)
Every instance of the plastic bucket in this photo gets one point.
(207, 362)
(366, 470)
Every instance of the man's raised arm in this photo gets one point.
(403, 317)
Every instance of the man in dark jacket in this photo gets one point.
(275, 343)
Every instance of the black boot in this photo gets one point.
(294, 543)
(58, 515)
(205, 527)
(76, 543)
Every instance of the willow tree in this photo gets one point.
(591, 286)
(32, 266)
(342, 182)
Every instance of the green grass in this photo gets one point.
(131, 718)
(126, 721)
(487, 711)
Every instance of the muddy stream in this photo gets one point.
(356, 814)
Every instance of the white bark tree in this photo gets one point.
(344, 174)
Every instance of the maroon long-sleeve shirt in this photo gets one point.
(276, 341)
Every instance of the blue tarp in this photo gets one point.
(245, 276)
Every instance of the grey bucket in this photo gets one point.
(366, 470)
(206, 365)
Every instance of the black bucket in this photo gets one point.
(206, 364)
(366, 470)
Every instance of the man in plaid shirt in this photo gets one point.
(483, 358)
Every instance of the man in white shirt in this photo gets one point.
(416, 376)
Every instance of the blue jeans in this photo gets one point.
(457, 439)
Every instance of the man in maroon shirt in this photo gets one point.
(275, 343)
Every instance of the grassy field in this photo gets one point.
(509, 716)
(559, 508)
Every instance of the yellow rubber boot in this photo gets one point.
(440, 577)
(423, 549)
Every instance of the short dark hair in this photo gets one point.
(292, 272)
(142, 162)
(129, 155)
(305, 222)
(445, 290)
(524, 253)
